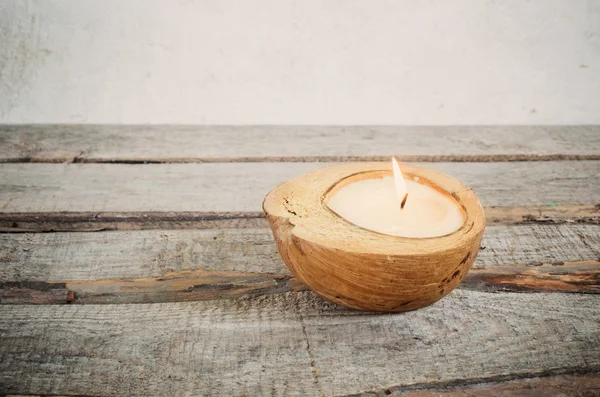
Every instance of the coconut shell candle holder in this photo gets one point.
(367, 269)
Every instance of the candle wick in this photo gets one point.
(403, 203)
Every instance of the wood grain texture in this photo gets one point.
(578, 277)
(200, 285)
(291, 344)
(123, 143)
(555, 214)
(274, 338)
(157, 266)
(38, 188)
(184, 286)
(549, 386)
(36, 293)
(56, 257)
(99, 221)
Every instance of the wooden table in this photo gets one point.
(136, 260)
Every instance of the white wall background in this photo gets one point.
(300, 62)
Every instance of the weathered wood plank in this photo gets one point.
(160, 266)
(542, 214)
(39, 188)
(98, 221)
(554, 386)
(57, 257)
(37, 293)
(184, 286)
(123, 143)
(292, 344)
(580, 276)
(199, 285)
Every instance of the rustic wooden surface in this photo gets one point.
(235, 187)
(551, 386)
(548, 386)
(164, 265)
(144, 220)
(125, 143)
(150, 253)
(292, 343)
(168, 282)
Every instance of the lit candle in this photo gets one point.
(398, 206)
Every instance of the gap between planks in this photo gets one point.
(201, 285)
(552, 383)
(105, 221)
(465, 158)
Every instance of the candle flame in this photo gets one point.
(401, 190)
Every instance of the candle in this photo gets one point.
(360, 266)
(376, 204)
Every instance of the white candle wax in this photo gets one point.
(373, 204)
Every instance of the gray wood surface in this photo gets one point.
(186, 265)
(139, 220)
(581, 385)
(58, 257)
(234, 187)
(291, 344)
(101, 221)
(88, 143)
(271, 336)
(202, 285)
